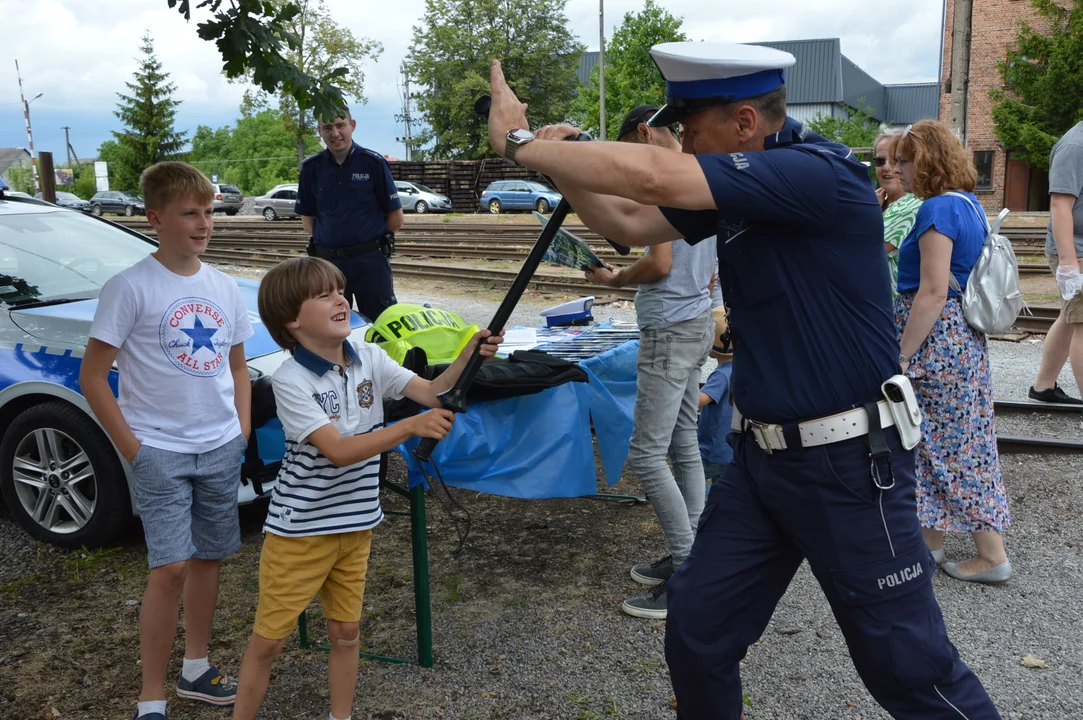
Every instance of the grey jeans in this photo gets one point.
(666, 416)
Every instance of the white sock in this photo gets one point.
(332, 717)
(194, 669)
(150, 706)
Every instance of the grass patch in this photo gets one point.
(79, 563)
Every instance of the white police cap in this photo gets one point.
(699, 75)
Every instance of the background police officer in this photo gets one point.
(821, 474)
(349, 207)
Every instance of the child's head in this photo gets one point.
(180, 205)
(301, 300)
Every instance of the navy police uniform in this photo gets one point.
(351, 203)
(805, 277)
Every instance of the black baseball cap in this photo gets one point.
(638, 114)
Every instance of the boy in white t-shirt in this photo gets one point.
(176, 329)
(326, 500)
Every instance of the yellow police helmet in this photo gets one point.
(721, 351)
(440, 333)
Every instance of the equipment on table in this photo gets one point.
(573, 312)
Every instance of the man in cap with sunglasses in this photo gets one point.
(819, 469)
(673, 309)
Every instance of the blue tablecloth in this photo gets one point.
(540, 446)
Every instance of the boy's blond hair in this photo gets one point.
(164, 182)
(286, 286)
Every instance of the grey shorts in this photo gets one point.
(188, 502)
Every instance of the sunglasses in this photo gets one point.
(879, 161)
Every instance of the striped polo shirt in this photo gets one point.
(312, 496)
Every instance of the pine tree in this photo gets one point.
(148, 114)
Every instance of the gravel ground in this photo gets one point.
(526, 620)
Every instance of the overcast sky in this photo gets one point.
(79, 54)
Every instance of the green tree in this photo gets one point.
(255, 155)
(631, 77)
(254, 39)
(857, 130)
(1042, 93)
(21, 178)
(119, 166)
(323, 46)
(148, 115)
(449, 60)
(85, 183)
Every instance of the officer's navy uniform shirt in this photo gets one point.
(350, 201)
(953, 217)
(804, 273)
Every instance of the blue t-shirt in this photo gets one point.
(350, 201)
(715, 419)
(954, 217)
(804, 272)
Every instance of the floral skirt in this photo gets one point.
(960, 487)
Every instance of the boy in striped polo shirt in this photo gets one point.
(326, 500)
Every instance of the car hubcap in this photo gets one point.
(269, 214)
(55, 481)
(494, 207)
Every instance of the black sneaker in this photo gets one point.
(1053, 395)
(150, 716)
(653, 573)
(212, 687)
(650, 605)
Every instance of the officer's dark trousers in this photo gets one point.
(864, 546)
(369, 285)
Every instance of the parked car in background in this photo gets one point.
(278, 202)
(61, 478)
(116, 202)
(227, 198)
(69, 200)
(417, 198)
(503, 195)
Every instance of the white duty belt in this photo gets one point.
(823, 431)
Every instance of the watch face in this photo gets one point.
(520, 135)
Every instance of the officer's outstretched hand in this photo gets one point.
(488, 342)
(506, 112)
(557, 132)
(435, 423)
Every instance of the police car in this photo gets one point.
(60, 477)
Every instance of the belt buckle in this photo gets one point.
(763, 431)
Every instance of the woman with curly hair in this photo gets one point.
(960, 488)
(900, 208)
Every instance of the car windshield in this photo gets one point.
(70, 197)
(230, 189)
(422, 188)
(55, 256)
(538, 187)
(130, 196)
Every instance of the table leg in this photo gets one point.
(419, 540)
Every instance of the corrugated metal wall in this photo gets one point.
(859, 86)
(817, 75)
(911, 102)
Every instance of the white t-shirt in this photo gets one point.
(174, 334)
(312, 496)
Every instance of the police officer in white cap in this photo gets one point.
(823, 464)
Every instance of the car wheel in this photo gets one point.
(421, 207)
(96, 210)
(61, 478)
(494, 207)
(269, 214)
(542, 206)
(129, 210)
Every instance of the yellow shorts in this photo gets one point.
(293, 569)
(1073, 309)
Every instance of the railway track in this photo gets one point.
(1026, 444)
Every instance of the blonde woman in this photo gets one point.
(900, 208)
(960, 488)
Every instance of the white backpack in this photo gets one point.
(991, 301)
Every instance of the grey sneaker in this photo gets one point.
(655, 572)
(211, 687)
(150, 716)
(650, 605)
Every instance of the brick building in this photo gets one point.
(1003, 180)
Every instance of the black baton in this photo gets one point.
(454, 399)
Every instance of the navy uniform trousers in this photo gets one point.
(369, 285)
(864, 545)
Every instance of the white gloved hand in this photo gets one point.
(1069, 281)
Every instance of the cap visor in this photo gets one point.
(669, 115)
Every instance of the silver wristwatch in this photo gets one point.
(516, 139)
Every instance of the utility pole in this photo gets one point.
(404, 116)
(29, 133)
(601, 69)
(960, 66)
(67, 143)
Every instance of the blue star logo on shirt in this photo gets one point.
(201, 336)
